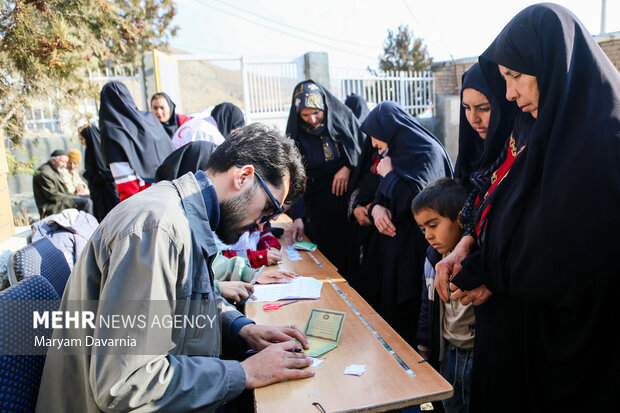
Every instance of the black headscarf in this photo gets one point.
(476, 153)
(191, 157)
(139, 134)
(358, 106)
(94, 162)
(172, 124)
(227, 117)
(342, 125)
(554, 225)
(416, 154)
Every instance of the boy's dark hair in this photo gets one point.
(271, 154)
(444, 196)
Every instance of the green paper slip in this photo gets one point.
(323, 330)
(304, 246)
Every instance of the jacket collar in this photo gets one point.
(196, 212)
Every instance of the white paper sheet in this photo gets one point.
(300, 287)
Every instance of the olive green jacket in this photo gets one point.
(50, 193)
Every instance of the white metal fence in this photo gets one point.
(45, 117)
(267, 88)
(414, 91)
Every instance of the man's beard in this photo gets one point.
(232, 213)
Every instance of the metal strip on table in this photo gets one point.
(372, 330)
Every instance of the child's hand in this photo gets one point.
(451, 265)
(273, 256)
(476, 296)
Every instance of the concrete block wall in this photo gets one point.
(610, 43)
(448, 75)
(447, 88)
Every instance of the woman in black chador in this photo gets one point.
(484, 127)
(548, 226)
(133, 141)
(358, 106)
(411, 159)
(327, 134)
(100, 180)
(363, 185)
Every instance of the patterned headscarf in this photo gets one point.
(308, 95)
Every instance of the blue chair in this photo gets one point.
(43, 258)
(20, 375)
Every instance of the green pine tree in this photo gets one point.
(402, 51)
(47, 48)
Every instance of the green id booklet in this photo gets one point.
(323, 330)
(304, 246)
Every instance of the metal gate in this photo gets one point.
(267, 89)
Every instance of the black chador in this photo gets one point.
(548, 232)
(326, 149)
(418, 158)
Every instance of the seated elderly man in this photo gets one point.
(155, 250)
(50, 192)
(71, 174)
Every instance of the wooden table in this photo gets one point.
(385, 385)
(308, 266)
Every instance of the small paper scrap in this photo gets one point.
(316, 362)
(355, 369)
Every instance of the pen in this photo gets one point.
(257, 274)
(296, 350)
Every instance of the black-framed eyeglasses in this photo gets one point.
(274, 201)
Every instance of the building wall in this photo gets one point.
(448, 75)
(447, 88)
(610, 43)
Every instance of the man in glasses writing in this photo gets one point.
(157, 247)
